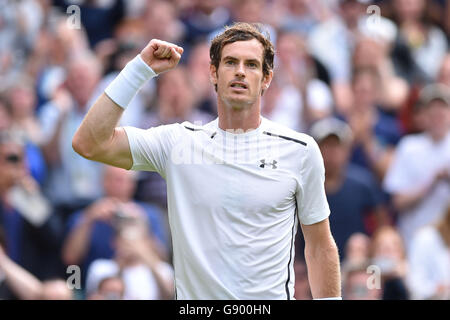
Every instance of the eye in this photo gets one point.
(251, 65)
(229, 62)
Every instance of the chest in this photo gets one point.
(239, 175)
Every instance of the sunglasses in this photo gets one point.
(13, 158)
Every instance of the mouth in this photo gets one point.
(238, 86)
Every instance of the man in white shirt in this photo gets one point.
(237, 186)
(419, 177)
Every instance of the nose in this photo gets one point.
(240, 71)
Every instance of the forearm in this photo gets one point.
(323, 269)
(50, 148)
(405, 201)
(379, 158)
(24, 285)
(98, 138)
(77, 243)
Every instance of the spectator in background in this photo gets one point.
(302, 15)
(419, 176)
(19, 27)
(91, 231)
(353, 195)
(375, 132)
(422, 43)
(198, 69)
(21, 98)
(333, 41)
(55, 46)
(73, 181)
(175, 105)
(388, 254)
(145, 275)
(355, 280)
(374, 54)
(23, 285)
(109, 288)
(161, 22)
(100, 18)
(357, 250)
(429, 276)
(35, 161)
(296, 97)
(251, 11)
(32, 231)
(204, 17)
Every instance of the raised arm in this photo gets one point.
(98, 138)
(322, 260)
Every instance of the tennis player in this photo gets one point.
(238, 187)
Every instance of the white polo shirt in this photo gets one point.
(417, 160)
(234, 200)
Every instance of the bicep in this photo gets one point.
(117, 152)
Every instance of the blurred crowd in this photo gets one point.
(369, 80)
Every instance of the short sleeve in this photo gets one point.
(311, 198)
(150, 149)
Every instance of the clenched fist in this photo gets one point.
(161, 56)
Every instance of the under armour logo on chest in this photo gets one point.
(263, 163)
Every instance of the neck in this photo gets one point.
(437, 136)
(245, 119)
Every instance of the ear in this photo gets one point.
(213, 74)
(267, 80)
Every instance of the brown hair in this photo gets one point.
(443, 226)
(242, 31)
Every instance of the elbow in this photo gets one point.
(82, 148)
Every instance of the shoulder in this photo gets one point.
(276, 130)
(208, 128)
(303, 150)
(412, 143)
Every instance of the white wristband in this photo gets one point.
(126, 85)
(331, 298)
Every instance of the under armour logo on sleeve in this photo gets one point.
(263, 163)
